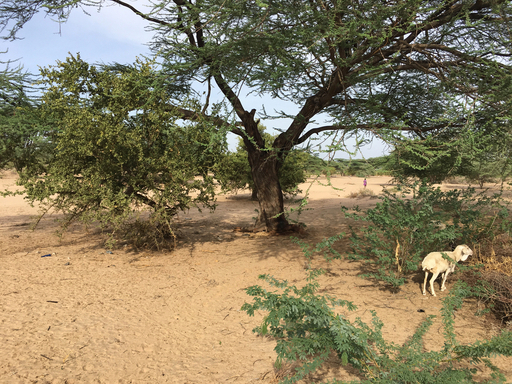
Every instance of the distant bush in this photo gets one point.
(233, 171)
(364, 167)
(363, 192)
(352, 167)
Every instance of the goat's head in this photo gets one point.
(462, 252)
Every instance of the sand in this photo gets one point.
(88, 315)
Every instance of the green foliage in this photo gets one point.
(483, 158)
(364, 167)
(405, 226)
(484, 172)
(325, 246)
(315, 165)
(492, 142)
(351, 167)
(23, 140)
(293, 171)
(480, 151)
(233, 171)
(118, 147)
(307, 330)
(434, 159)
(494, 160)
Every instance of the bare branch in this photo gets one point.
(372, 128)
(139, 13)
(187, 114)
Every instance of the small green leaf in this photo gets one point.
(344, 358)
(264, 328)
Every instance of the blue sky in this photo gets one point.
(114, 34)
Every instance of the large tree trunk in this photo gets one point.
(264, 168)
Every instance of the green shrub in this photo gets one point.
(405, 226)
(118, 148)
(308, 331)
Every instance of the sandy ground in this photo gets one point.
(85, 315)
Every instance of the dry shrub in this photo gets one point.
(494, 255)
(501, 294)
(496, 275)
(496, 292)
(285, 371)
(149, 233)
(363, 192)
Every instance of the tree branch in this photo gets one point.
(187, 114)
(139, 13)
(421, 48)
(370, 127)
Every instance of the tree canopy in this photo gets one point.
(392, 69)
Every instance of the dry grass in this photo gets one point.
(496, 275)
(363, 192)
(149, 234)
(495, 256)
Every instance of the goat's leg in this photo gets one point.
(434, 277)
(445, 276)
(425, 283)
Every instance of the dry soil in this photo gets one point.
(89, 315)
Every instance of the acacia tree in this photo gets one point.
(386, 67)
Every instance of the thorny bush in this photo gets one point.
(419, 218)
(307, 330)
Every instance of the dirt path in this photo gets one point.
(84, 315)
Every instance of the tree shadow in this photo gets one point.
(26, 236)
(194, 229)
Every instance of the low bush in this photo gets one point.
(363, 192)
(419, 218)
(307, 331)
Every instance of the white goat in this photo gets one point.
(435, 263)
